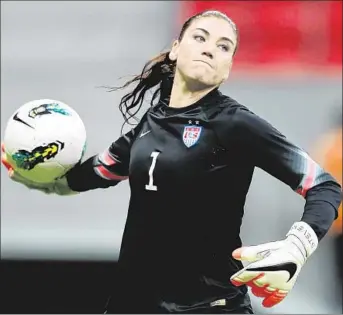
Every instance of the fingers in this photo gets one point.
(246, 277)
(11, 173)
(259, 287)
(237, 253)
(6, 164)
(15, 176)
(273, 298)
(256, 252)
(250, 253)
(4, 159)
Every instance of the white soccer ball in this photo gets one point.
(44, 139)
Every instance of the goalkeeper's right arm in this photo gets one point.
(100, 171)
(103, 170)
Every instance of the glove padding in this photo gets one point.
(274, 267)
(59, 186)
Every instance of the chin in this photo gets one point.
(205, 80)
(199, 84)
(199, 78)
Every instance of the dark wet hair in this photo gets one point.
(158, 73)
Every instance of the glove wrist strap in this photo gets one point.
(306, 236)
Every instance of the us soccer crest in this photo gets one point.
(191, 135)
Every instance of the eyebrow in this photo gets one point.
(222, 38)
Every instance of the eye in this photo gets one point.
(199, 38)
(224, 48)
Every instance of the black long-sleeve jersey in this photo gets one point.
(189, 171)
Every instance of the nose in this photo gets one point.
(208, 54)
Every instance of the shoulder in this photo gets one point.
(233, 119)
(131, 133)
(230, 112)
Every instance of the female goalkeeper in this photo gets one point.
(189, 162)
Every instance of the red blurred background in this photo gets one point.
(291, 36)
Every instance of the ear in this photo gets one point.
(174, 50)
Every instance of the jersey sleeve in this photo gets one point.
(105, 169)
(265, 147)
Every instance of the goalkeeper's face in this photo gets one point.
(205, 52)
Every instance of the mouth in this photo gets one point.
(202, 61)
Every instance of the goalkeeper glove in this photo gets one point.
(274, 267)
(59, 186)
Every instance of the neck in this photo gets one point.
(183, 95)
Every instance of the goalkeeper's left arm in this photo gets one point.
(274, 267)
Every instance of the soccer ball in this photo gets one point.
(44, 139)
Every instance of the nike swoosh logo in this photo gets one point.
(16, 118)
(144, 133)
(291, 268)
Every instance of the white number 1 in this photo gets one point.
(151, 185)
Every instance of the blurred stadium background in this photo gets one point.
(58, 253)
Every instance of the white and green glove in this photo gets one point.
(59, 187)
(274, 267)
